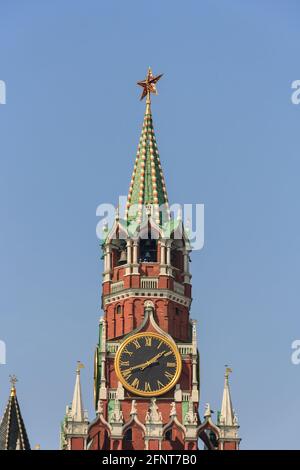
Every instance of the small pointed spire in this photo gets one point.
(77, 411)
(13, 435)
(227, 413)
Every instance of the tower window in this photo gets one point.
(119, 309)
(122, 254)
(148, 251)
(213, 439)
(168, 435)
(177, 311)
(128, 435)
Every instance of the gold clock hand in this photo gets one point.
(134, 367)
(148, 363)
(145, 364)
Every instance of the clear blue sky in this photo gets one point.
(228, 136)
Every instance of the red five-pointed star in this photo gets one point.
(148, 85)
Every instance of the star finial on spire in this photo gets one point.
(149, 85)
(228, 371)
(79, 366)
(13, 380)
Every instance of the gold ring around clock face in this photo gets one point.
(148, 364)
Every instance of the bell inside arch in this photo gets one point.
(123, 257)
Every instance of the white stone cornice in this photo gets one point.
(144, 293)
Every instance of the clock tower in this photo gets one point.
(146, 363)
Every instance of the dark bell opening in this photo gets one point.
(148, 251)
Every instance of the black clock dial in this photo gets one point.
(148, 364)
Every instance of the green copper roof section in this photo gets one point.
(147, 186)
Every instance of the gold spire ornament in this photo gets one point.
(149, 86)
(228, 371)
(79, 366)
(13, 380)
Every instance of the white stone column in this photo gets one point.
(104, 260)
(186, 267)
(195, 385)
(108, 257)
(169, 267)
(107, 263)
(135, 252)
(103, 389)
(168, 255)
(185, 262)
(129, 257)
(162, 252)
(163, 257)
(135, 264)
(129, 252)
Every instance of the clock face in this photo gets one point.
(148, 364)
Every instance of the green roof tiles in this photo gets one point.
(147, 186)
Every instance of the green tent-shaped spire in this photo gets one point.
(147, 187)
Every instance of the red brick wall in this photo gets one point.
(77, 443)
(229, 446)
(173, 318)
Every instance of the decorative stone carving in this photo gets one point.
(100, 407)
(153, 416)
(235, 419)
(173, 411)
(207, 413)
(117, 414)
(191, 416)
(133, 410)
(149, 305)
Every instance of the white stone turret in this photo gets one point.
(75, 426)
(228, 422)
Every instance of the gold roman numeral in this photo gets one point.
(135, 383)
(147, 387)
(124, 363)
(168, 353)
(171, 364)
(160, 344)
(127, 374)
(159, 384)
(168, 375)
(148, 341)
(136, 343)
(126, 351)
